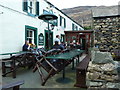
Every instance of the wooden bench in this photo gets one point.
(81, 70)
(14, 85)
(10, 65)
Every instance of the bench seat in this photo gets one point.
(14, 85)
(81, 70)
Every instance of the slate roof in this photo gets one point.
(104, 11)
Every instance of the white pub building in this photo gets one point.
(19, 22)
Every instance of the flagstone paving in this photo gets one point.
(33, 80)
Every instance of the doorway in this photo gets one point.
(83, 44)
(50, 38)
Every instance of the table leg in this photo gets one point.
(78, 59)
(72, 63)
(63, 79)
(63, 69)
(16, 87)
(13, 68)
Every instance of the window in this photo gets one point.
(31, 35)
(73, 26)
(76, 27)
(37, 8)
(62, 22)
(31, 7)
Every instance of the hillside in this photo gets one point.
(83, 14)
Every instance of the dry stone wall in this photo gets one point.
(107, 32)
(102, 71)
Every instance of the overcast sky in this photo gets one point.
(73, 3)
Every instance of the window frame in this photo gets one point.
(31, 7)
(35, 33)
(62, 22)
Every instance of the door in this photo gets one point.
(83, 43)
(48, 39)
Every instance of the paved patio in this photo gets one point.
(33, 80)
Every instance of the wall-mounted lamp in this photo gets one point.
(52, 27)
(48, 17)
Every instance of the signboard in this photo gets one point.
(41, 39)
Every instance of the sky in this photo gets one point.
(61, 4)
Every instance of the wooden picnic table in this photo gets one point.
(54, 61)
(19, 52)
(66, 57)
(16, 59)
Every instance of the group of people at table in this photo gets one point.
(57, 45)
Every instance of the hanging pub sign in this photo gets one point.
(41, 39)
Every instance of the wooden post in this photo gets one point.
(3, 68)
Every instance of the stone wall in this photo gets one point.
(107, 32)
(102, 71)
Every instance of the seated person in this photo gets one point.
(26, 46)
(32, 46)
(78, 46)
(57, 46)
(62, 45)
(72, 44)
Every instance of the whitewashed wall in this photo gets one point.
(13, 21)
(13, 29)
